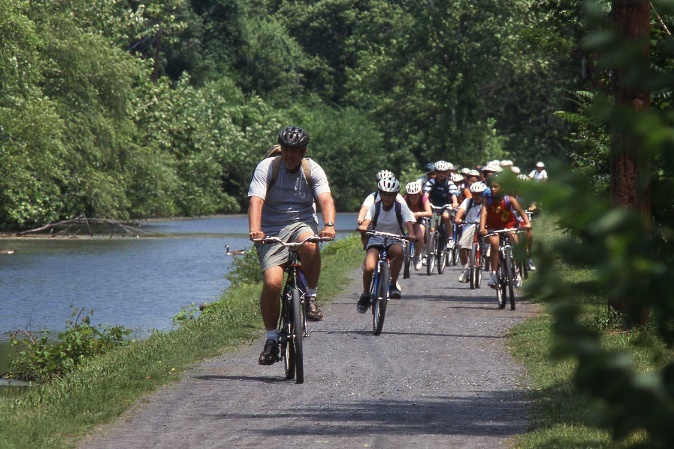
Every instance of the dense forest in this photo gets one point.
(120, 109)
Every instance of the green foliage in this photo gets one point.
(245, 270)
(42, 360)
(631, 256)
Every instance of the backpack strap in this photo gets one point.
(276, 166)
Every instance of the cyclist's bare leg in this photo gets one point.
(419, 230)
(269, 299)
(371, 259)
(446, 219)
(310, 257)
(395, 252)
(463, 255)
(493, 254)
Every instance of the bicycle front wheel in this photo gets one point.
(407, 259)
(510, 276)
(297, 335)
(285, 335)
(381, 300)
(430, 260)
(501, 285)
(474, 266)
(442, 253)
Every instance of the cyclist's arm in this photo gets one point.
(255, 218)
(428, 212)
(364, 225)
(483, 220)
(525, 218)
(459, 216)
(328, 211)
(410, 231)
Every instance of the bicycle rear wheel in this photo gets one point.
(430, 260)
(297, 336)
(381, 300)
(409, 251)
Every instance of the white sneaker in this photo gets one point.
(417, 263)
(531, 265)
(424, 260)
(463, 277)
(492, 280)
(518, 282)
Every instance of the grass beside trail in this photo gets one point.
(560, 416)
(56, 414)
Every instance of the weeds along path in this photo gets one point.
(438, 376)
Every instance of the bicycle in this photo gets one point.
(381, 280)
(409, 253)
(292, 326)
(453, 244)
(437, 241)
(506, 273)
(475, 258)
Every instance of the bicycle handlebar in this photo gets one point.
(386, 234)
(504, 231)
(444, 206)
(292, 245)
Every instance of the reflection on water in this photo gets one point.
(139, 283)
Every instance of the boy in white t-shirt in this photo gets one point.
(468, 213)
(386, 221)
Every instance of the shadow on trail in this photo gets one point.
(418, 334)
(500, 413)
(263, 379)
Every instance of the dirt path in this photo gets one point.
(439, 376)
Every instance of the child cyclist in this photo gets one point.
(418, 203)
(386, 215)
(468, 213)
(498, 213)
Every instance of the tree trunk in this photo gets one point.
(629, 172)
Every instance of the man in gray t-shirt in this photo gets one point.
(284, 207)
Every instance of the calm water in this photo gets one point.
(140, 283)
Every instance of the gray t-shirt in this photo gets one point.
(289, 200)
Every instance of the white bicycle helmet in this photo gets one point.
(493, 168)
(523, 177)
(443, 166)
(456, 177)
(478, 187)
(473, 173)
(383, 174)
(413, 188)
(515, 169)
(389, 185)
(465, 170)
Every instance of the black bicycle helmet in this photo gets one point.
(293, 136)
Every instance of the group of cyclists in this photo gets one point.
(472, 198)
(286, 186)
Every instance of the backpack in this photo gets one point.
(276, 166)
(399, 215)
(275, 152)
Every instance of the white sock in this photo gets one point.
(311, 292)
(466, 266)
(272, 335)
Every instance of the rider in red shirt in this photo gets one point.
(498, 214)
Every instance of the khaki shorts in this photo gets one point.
(466, 240)
(275, 254)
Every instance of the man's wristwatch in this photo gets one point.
(331, 224)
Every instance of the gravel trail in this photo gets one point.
(439, 376)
